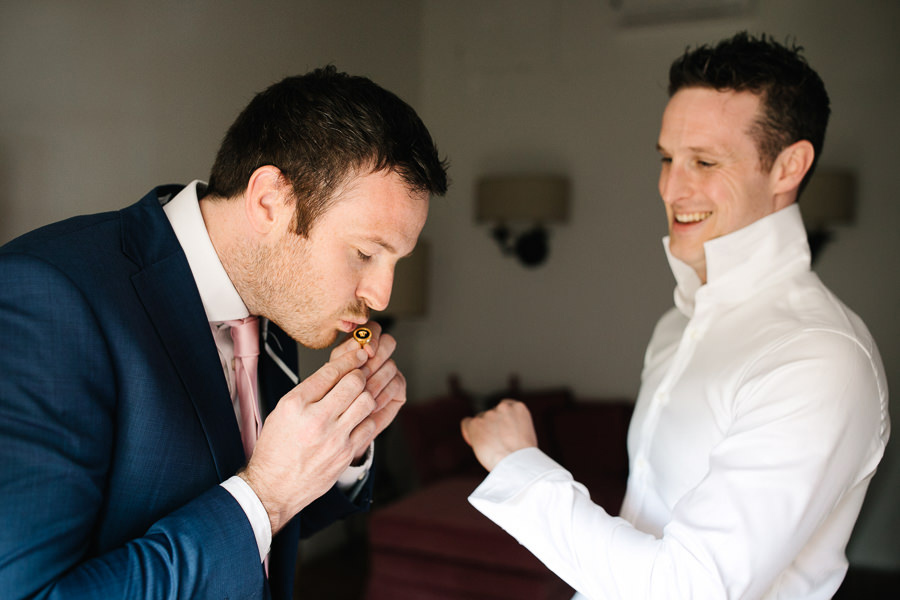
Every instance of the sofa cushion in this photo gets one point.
(590, 441)
(436, 446)
(435, 539)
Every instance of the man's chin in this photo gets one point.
(320, 342)
(313, 341)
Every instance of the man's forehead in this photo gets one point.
(712, 104)
(703, 119)
(376, 209)
(353, 180)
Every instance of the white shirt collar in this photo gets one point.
(220, 300)
(740, 263)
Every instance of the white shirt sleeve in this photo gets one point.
(792, 454)
(537, 502)
(352, 477)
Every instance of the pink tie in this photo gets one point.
(245, 333)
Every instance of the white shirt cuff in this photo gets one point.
(354, 475)
(255, 511)
(517, 472)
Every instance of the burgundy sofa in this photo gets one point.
(432, 544)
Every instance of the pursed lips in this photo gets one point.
(347, 326)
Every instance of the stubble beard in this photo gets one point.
(294, 303)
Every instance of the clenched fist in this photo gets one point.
(498, 432)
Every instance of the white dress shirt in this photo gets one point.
(222, 303)
(761, 418)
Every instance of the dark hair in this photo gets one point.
(318, 129)
(793, 99)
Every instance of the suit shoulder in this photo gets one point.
(61, 235)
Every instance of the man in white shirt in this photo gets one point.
(128, 470)
(762, 413)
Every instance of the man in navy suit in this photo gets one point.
(122, 472)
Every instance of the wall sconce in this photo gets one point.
(534, 199)
(409, 295)
(829, 199)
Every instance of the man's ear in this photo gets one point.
(790, 167)
(264, 199)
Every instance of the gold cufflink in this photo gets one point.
(362, 335)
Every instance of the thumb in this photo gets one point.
(320, 383)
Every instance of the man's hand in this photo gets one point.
(383, 379)
(496, 433)
(312, 436)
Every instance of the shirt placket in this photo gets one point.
(662, 396)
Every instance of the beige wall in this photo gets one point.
(102, 100)
(561, 85)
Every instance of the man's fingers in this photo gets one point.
(387, 375)
(386, 414)
(358, 410)
(351, 344)
(363, 434)
(347, 393)
(385, 349)
(317, 385)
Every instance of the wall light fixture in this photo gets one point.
(528, 202)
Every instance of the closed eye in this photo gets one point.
(362, 256)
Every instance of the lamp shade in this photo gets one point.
(829, 198)
(537, 198)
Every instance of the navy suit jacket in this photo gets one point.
(116, 425)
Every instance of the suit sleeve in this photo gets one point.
(57, 428)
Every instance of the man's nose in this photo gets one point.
(375, 290)
(674, 183)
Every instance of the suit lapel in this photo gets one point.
(167, 290)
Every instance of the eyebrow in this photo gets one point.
(384, 244)
(694, 149)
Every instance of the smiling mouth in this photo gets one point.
(694, 217)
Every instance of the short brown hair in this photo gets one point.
(318, 129)
(795, 105)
